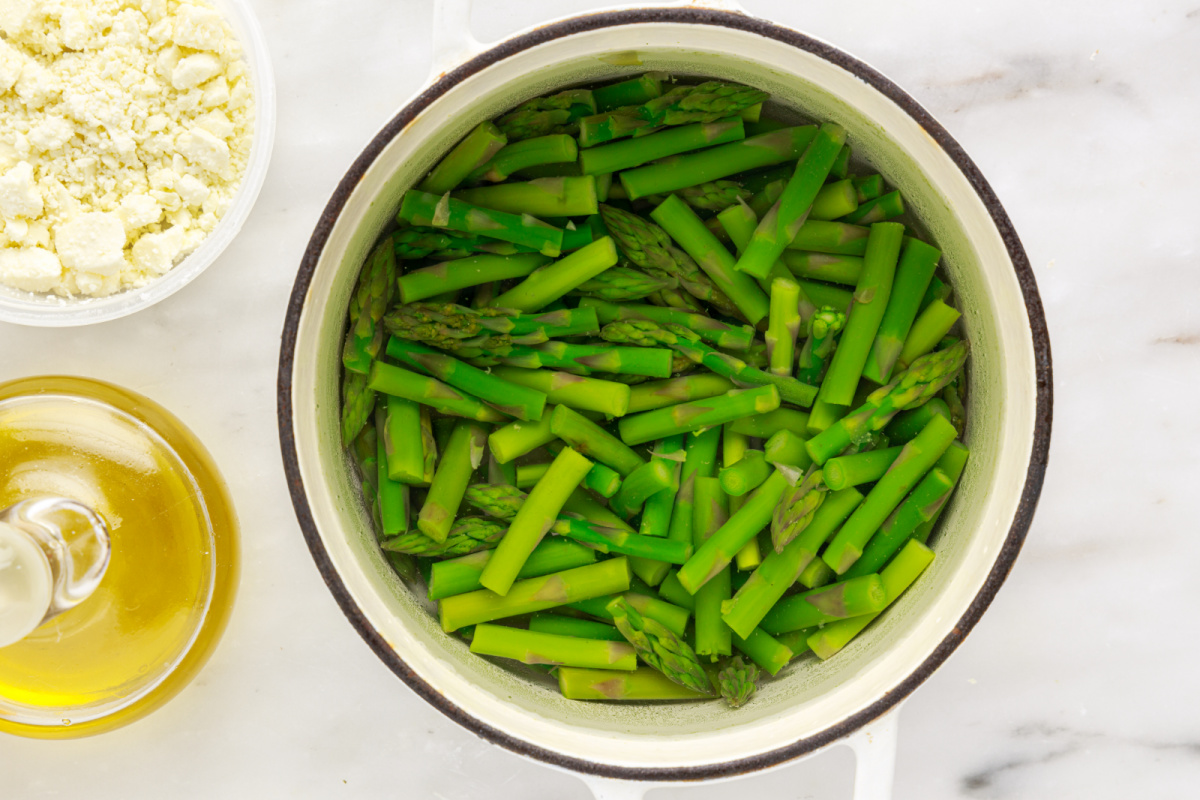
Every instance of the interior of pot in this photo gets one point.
(809, 696)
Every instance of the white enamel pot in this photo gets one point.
(813, 704)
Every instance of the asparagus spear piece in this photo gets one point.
(897, 576)
(824, 266)
(543, 116)
(920, 382)
(462, 456)
(447, 276)
(496, 500)
(881, 208)
(711, 511)
(421, 241)
(547, 284)
(574, 626)
(471, 331)
(745, 474)
(600, 479)
(917, 458)
(841, 238)
(859, 468)
(586, 358)
(720, 549)
(475, 150)
(656, 515)
(429, 391)
(717, 333)
(784, 326)
(575, 391)
(822, 294)
(660, 647)
(558, 148)
(358, 403)
(372, 295)
(824, 326)
(632, 92)
(785, 447)
(737, 682)
(659, 394)
(734, 448)
(682, 224)
(849, 598)
(841, 165)
(917, 263)
(530, 647)
(469, 535)
(640, 485)
(705, 102)
(699, 462)
(798, 509)
(780, 569)
(518, 438)
(835, 200)
(508, 398)
(649, 247)
(711, 196)
(764, 650)
(423, 208)
(780, 225)
(403, 441)
(868, 187)
(673, 592)
(677, 172)
(907, 424)
(644, 149)
(938, 290)
(645, 683)
(536, 594)
(623, 542)
(817, 573)
(540, 197)
(392, 496)
(767, 425)
(934, 323)
(618, 284)
(673, 618)
(862, 323)
(461, 575)
(685, 417)
(534, 518)
(740, 222)
(593, 441)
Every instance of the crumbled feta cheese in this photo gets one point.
(115, 130)
(30, 269)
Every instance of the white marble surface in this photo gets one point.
(1080, 680)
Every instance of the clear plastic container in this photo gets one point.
(47, 310)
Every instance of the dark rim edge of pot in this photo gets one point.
(1042, 359)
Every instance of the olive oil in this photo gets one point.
(165, 598)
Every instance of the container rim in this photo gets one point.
(1034, 478)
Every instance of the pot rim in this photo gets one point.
(1025, 277)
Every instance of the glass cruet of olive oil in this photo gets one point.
(118, 556)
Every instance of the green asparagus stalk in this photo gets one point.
(575, 391)
(640, 485)
(593, 441)
(907, 424)
(952, 397)
(654, 363)
(673, 618)
(574, 626)
(542, 116)
(645, 683)
(881, 208)
(771, 423)
(536, 594)
(779, 226)
(862, 323)
(422, 208)
(392, 496)
(824, 327)
(720, 549)
(403, 441)
(835, 200)
(737, 682)
(656, 515)
(734, 448)
(471, 331)
(556, 148)
(660, 647)
(673, 592)
(780, 569)
(462, 456)
(475, 150)
(615, 540)
(841, 165)
(358, 403)
(746, 474)
(920, 382)
(824, 266)
(859, 468)
(518, 438)
(677, 172)
(704, 102)
(546, 284)
(822, 294)
(469, 535)
(697, 414)
(699, 462)
(535, 516)
(712, 197)
(461, 575)
(659, 394)
(764, 650)
(938, 290)
(784, 326)
(372, 295)
(508, 398)
(917, 263)
(632, 92)
(868, 187)
(600, 479)
(422, 241)
(817, 573)
(820, 236)
(530, 647)
(798, 509)
(717, 333)
(399, 382)
(849, 598)
(935, 322)
(740, 222)
(682, 224)
(540, 197)
(619, 284)
(710, 513)
(917, 458)
(644, 149)
(922, 507)
(897, 576)
(496, 500)
(463, 273)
